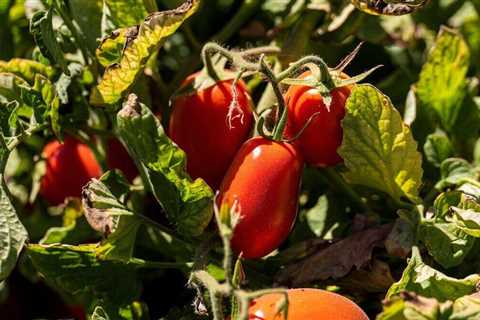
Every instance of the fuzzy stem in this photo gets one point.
(295, 67)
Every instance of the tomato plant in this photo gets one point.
(269, 169)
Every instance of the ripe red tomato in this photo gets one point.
(118, 158)
(69, 167)
(264, 178)
(320, 141)
(306, 304)
(199, 125)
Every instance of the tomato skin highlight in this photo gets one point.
(265, 180)
(321, 139)
(69, 166)
(307, 304)
(198, 124)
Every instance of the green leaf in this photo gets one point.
(126, 13)
(466, 308)
(26, 69)
(106, 212)
(119, 78)
(468, 221)
(162, 164)
(438, 148)
(428, 282)
(12, 233)
(442, 84)
(446, 242)
(455, 172)
(378, 148)
(88, 16)
(42, 30)
(76, 272)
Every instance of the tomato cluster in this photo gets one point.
(261, 175)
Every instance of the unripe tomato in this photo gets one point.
(320, 141)
(307, 304)
(69, 166)
(118, 158)
(265, 179)
(199, 125)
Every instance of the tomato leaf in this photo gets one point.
(442, 84)
(162, 164)
(76, 272)
(106, 212)
(119, 78)
(455, 172)
(12, 232)
(42, 30)
(110, 50)
(378, 148)
(446, 242)
(426, 281)
(337, 259)
(88, 17)
(126, 13)
(26, 69)
(438, 148)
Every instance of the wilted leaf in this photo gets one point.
(402, 237)
(442, 84)
(374, 278)
(110, 50)
(378, 148)
(188, 203)
(337, 259)
(152, 33)
(428, 282)
(106, 213)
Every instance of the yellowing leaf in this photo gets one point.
(442, 85)
(378, 148)
(26, 69)
(152, 33)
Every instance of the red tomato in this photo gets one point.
(320, 141)
(118, 158)
(307, 304)
(199, 125)
(265, 179)
(69, 167)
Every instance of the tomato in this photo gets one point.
(69, 166)
(265, 179)
(199, 125)
(307, 304)
(320, 141)
(118, 158)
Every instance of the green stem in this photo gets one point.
(335, 179)
(283, 110)
(294, 68)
